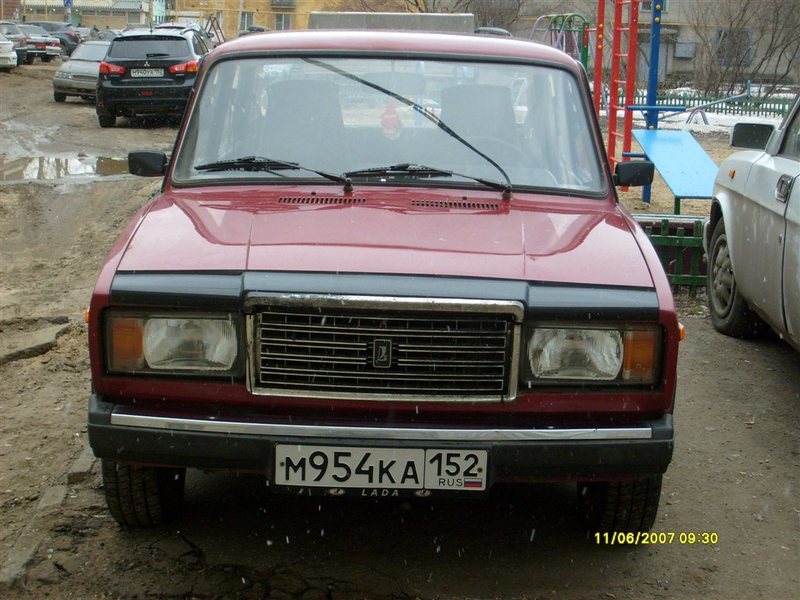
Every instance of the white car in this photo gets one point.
(752, 238)
(8, 56)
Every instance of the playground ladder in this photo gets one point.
(623, 76)
(599, 44)
(212, 26)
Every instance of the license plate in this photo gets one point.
(385, 468)
(147, 72)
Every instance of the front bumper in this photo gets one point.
(74, 86)
(124, 434)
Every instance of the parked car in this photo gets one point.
(78, 75)
(186, 29)
(108, 34)
(84, 33)
(752, 238)
(8, 56)
(69, 38)
(348, 294)
(147, 73)
(14, 34)
(40, 44)
(253, 29)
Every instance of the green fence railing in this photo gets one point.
(678, 241)
(748, 107)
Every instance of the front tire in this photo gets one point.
(29, 59)
(620, 506)
(47, 59)
(140, 496)
(58, 97)
(729, 311)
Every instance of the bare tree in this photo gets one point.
(495, 13)
(754, 40)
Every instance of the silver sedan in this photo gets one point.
(78, 75)
(753, 235)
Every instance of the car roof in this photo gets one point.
(150, 34)
(466, 45)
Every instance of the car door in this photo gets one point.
(790, 150)
(763, 246)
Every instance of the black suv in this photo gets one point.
(147, 73)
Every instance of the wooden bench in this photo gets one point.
(683, 164)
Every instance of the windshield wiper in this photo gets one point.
(270, 165)
(422, 111)
(416, 170)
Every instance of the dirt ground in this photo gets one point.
(734, 472)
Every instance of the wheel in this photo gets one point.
(729, 311)
(29, 59)
(59, 97)
(141, 496)
(106, 120)
(47, 59)
(624, 506)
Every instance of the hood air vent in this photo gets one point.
(458, 204)
(319, 200)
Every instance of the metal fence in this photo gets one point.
(678, 241)
(750, 107)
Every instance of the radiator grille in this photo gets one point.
(383, 354)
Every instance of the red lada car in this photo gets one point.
(385, 264)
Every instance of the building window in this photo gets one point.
(734, 47)
(246, 19)
(283, 21)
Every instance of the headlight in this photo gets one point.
(63, 75)
(623, 355)
(197, 344)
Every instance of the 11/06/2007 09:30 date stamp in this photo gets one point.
(620, 538)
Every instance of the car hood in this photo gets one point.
(531, 238)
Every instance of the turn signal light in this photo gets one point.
(188, 67)
(640, 354)
(111, 69)
(125, 337)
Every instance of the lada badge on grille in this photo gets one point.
(382, 353)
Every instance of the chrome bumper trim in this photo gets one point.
(379, 433)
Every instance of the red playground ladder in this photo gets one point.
(599, 44)
(623, 76)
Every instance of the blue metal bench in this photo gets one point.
(683, 164)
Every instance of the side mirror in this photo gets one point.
(634, 173)
(751, 135)
(147, 163)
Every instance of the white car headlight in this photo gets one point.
(171, 344)
(628, 355)
(63, 75)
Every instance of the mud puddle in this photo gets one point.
(48, 168)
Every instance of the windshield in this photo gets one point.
(148, 47)
(519, 124)
(91, 52)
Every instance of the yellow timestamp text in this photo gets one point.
(663, 538)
